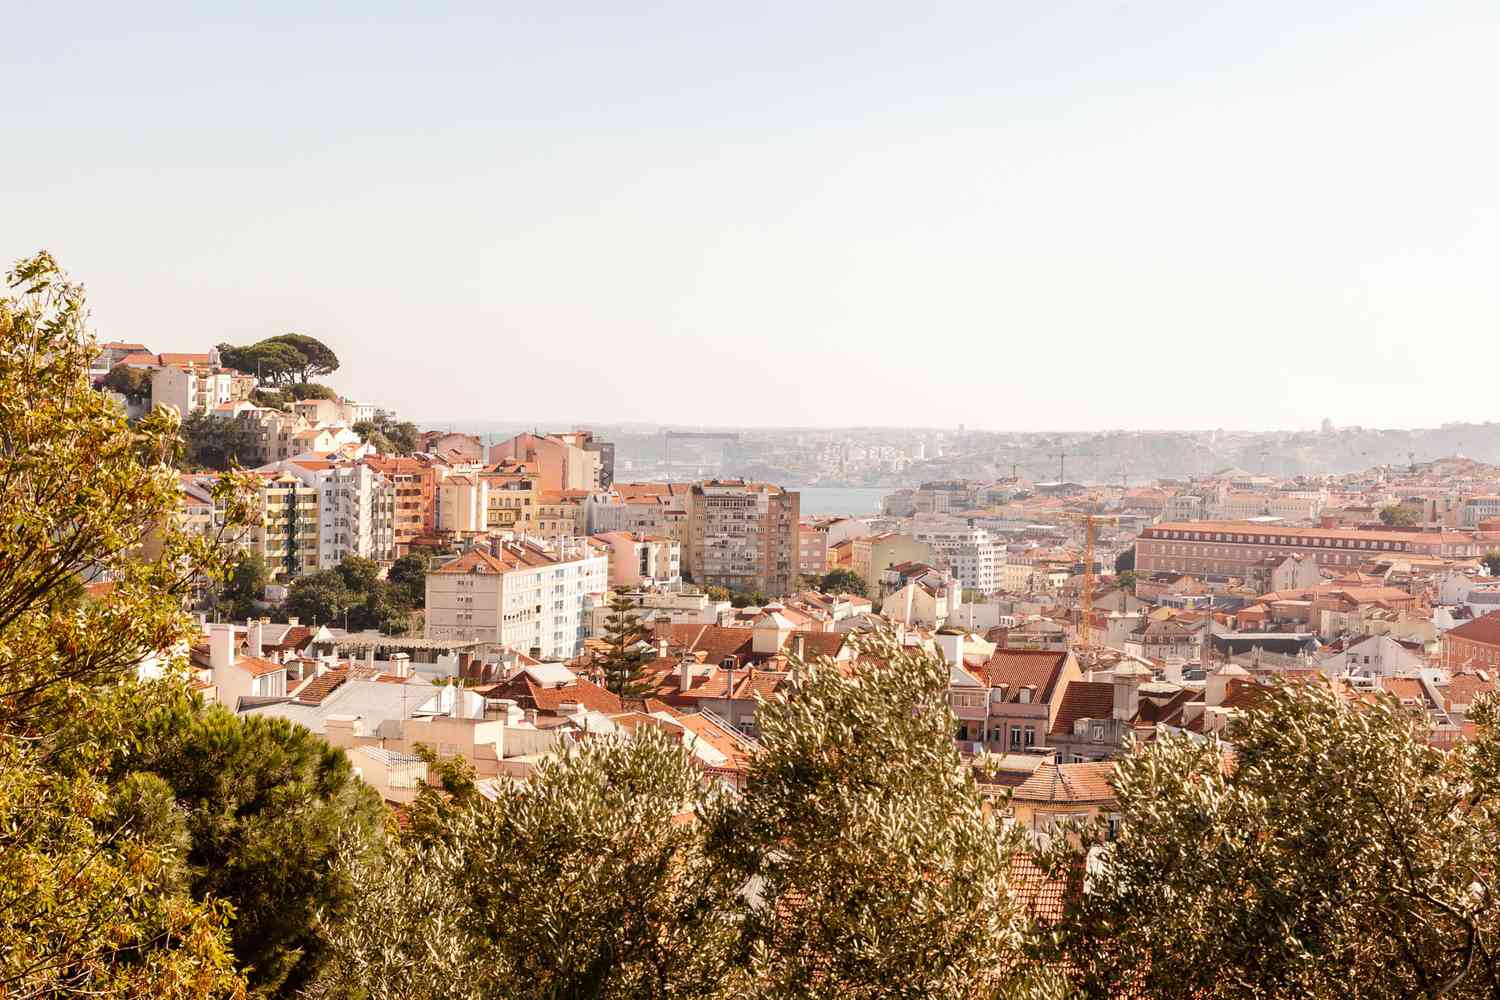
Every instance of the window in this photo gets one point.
(1015, 737)
(1030, 736)
(1096, 733)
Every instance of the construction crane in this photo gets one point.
(1090, 522)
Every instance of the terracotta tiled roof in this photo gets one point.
(528, 694)
(258, 667)
(746, 685)
(1482, 630)
(168, 358)
(1464, 688)
(510, 558)
(1088, 782)
(1045, 898)
(320, 687)
(1020, 668)
(1084, 700)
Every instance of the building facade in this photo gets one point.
(968, 553)
(743, 536)
(1237, 548)
(517, 594)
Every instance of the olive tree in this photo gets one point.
(877, 872)
(1332, 852)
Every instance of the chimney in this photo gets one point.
(530, 716)
(685, 678)
(465, 663)
(220, 646)
(253, 638)
(1127, 689)
(401, 664)
(801, 646)
(1216, 687)
(661, 649)
(294, 621)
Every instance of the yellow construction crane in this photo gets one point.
(1090, 524)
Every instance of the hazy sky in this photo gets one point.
(1008, 214)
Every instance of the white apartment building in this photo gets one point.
(967, 553)
(190, 389)
(463, 504)
(356, 509)
(519, 595)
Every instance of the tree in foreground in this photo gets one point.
(1336, 853)
(621, 663)
(263, 805)
(90, 873)
(878, 872)
(587, 881)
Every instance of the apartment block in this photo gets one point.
(743, 536)
(567, 461)
(192, 388)
(356, 505)
(966, 552)
(287, 535)
(517, 594)
(637, 561)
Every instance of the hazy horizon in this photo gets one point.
(1051, 218)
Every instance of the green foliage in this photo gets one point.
(622, 664)
(81, 492)
(409, 575)
(273, 363)
(215, 442)
(90, 876)
(880, 873)
(388, 435)
(1338, 851)
(354, 587)
(93, 883)
(245, 586)
(747, 599)
(579, 883)
(1397, 516)
(281, 360)
(274, 399)
(264, 803)
(842, 581)
(718, 593)
(359, 574)
(132, 383)
(1491, 562)
(1125, 561)
(320, 598)
(310, 390)
(1125, 580)
(319, 359)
